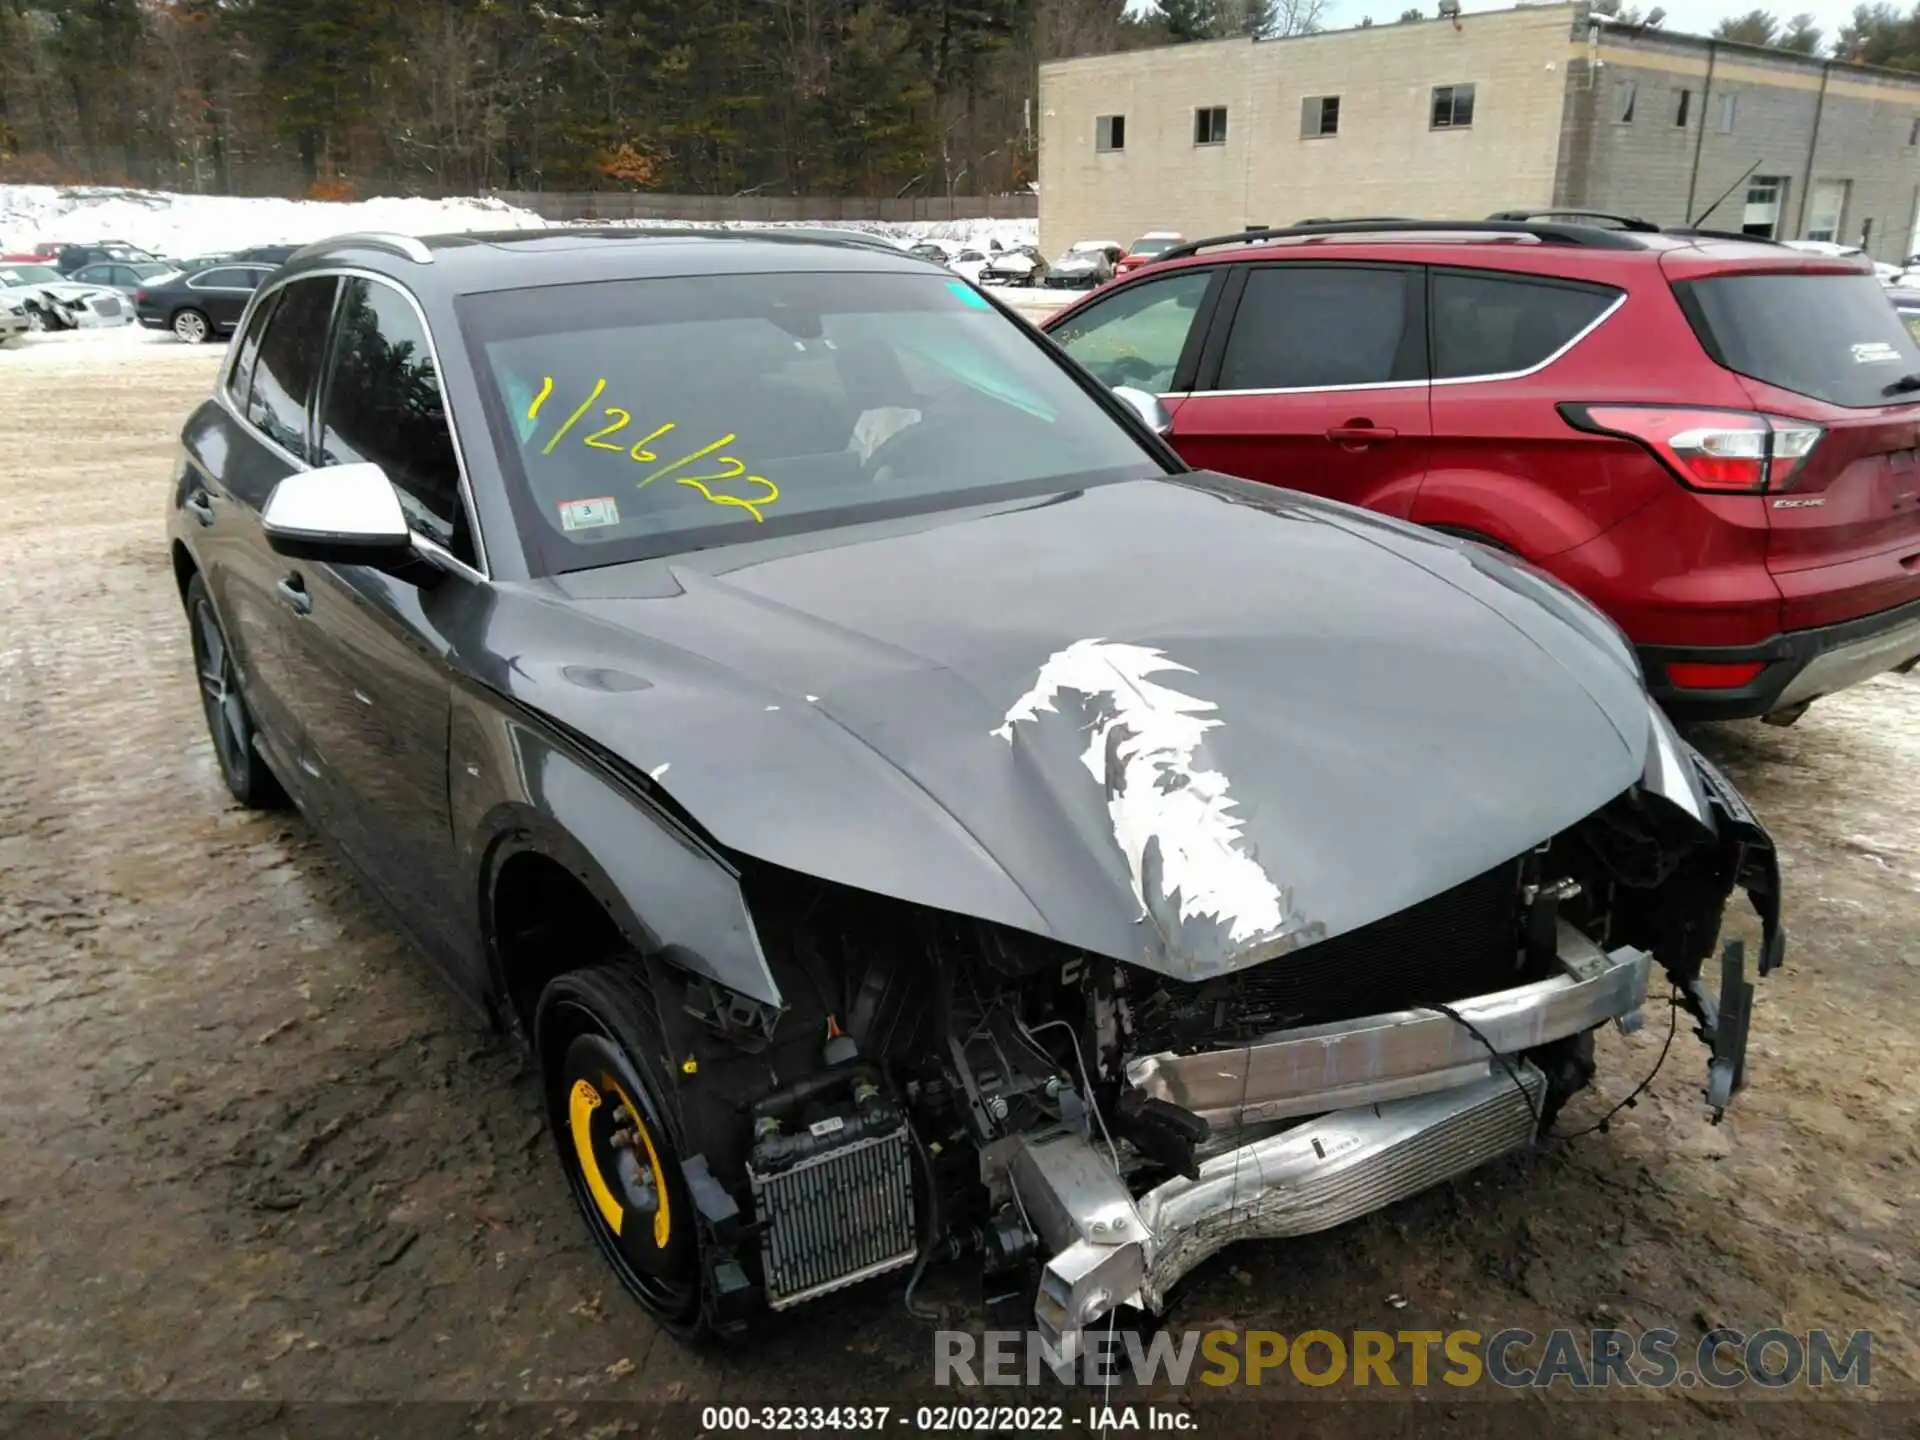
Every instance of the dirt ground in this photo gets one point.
(251, 1148)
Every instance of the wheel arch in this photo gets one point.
(547, 907)
(576, 867)
(185, 568)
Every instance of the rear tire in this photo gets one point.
(229, 722)
(190, 327)
(614, 1113)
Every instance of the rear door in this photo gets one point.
(261, 611)
(1315, 378)
(1825, 346)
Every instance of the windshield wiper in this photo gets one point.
(1903, 385)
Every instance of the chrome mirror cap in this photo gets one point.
(345, 514)
(1147, 406)
(352, 504)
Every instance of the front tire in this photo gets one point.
(190, 327)
(612, 1107)
(229, 722)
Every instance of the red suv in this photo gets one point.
(1715, 439)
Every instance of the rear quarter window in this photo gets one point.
(1486, 325)
(1835, 338)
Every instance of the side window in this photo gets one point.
(1496, 325)
(289, 362)
(1135, 337)
(382, 403)
(248, 351)
(1304, 326)
(226, 279)
(93, 274)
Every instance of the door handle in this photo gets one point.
(199, 506)
(293, 590)
(1360, 432)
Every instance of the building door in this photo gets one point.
(1828, 210)
(1766, 194)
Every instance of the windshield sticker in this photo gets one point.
(640, 452)
(589, 514)
(1874, 352)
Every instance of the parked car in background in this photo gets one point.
(968, 263)
(126, 276)
(186, 265)
(939, 826)
(51, 301)
(1147, 248)
(930, 250)
(67, 257)
(202, 306)
(1717, 441)
(1086, 263)
(1016, 265)
(277, 254)
(13, 320)
(1906, 304)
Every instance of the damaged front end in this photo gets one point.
(1087, 1130)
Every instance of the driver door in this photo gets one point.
(1146, 333)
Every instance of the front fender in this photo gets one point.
(517, 786)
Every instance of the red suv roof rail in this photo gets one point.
(1625, 222)
(1589, 236)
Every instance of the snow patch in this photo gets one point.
(1142, 749)
(188, 225)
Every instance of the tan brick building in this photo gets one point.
(1536, 106)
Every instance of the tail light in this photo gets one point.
(1726, 452)
(139, 297)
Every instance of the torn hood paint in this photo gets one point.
(1189, 724)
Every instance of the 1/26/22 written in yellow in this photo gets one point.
(640, 453)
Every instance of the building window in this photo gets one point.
(1452, 107)
(1680, 107)
(1319, 115)
(1210, 125)
(1110, 132)
(1766, 197)
(1828, 209)
(1625, 92)
(1728, 105)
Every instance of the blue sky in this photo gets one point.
(1694, 16)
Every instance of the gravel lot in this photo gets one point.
(253, 1149)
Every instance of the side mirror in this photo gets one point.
(1147, 406)
(339, 515)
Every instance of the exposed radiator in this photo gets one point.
(836, 1218)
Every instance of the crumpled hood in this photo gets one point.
(1186, 724)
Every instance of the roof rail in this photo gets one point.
(1694, 232)
(1351, 220)
(1624, 222)
(1592, 236)
(823, 234)
(409, 246)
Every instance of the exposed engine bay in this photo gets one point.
(1087, 1131)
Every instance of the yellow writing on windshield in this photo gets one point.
(641, 452)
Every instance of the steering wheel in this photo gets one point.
(935, 434)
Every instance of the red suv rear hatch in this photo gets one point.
(1819, 342)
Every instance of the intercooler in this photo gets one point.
(835, 1218)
